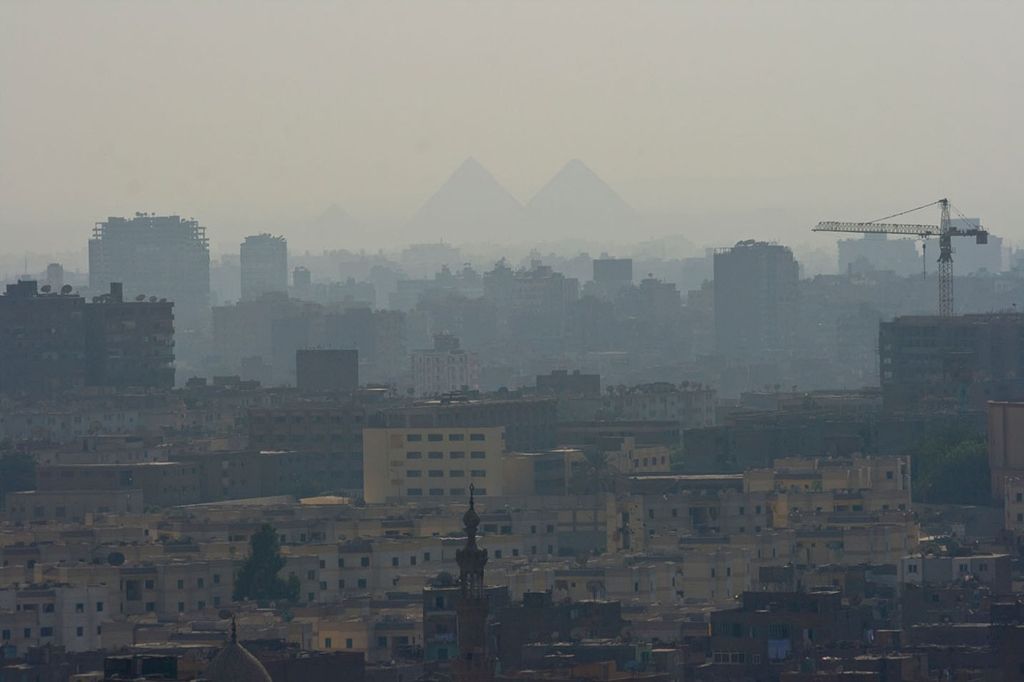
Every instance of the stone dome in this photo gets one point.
(234, 663)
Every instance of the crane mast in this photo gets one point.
(945, 231)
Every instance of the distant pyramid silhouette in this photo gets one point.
(471, 205)
(575, 202)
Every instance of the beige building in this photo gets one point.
(1005, 444)
(438, 464)
(54, 615)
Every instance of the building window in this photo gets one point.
(310, 575)
(216, 578)
(99, 607)
(181, 607)
(437, 491)
(456, 473)
(456, 436)
(382, 642)
(456, 454)
(348, 643)
(413, 437)
(413, 473)
(5, 635)
(426, 556)
(478, 454)
(149, 584)
(48, 632)
(394, 561)
(888, 475)
(79, 607)
(497, 554)
(200, 582)
(341, 562)
(457, 492)
(435, 473)
(414, 455)
(181, 584)
(364, 561)
(341, 584)
(414, 492)
(435, 437)
(480, 491)
(436, 455)
(327, 642)
(478, 473)
(150, 606)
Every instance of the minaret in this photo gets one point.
(474, 664)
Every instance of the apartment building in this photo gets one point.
(435, 464)
(54, 615)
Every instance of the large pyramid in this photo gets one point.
(576, 203)
(470, 206)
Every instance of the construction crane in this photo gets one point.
(945, 231)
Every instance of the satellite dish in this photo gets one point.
(66, 289)
(140, 297)
(225, 614)
(115, 559)
(45, 288)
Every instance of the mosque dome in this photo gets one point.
(234, 663)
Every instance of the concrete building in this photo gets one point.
(1005, 444)
(416, 463)
(756, 291)
(445, 368)
(690, 405)
(929, 362)
(55, 615)
(163, 256)
(129, 343)
(319, 370)
(611, 275)
(51, 342)
(877, 252)
(264, 261)
(560, 382)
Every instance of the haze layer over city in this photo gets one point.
(511, 341)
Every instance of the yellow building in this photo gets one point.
(434, 463)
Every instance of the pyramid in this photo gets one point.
(470, 206)
(576, 202)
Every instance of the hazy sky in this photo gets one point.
(746, 118)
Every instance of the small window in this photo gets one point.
(348, 643)
(478, 454)
(478, 473)
(437, 491)
(364, 561)
(435, 437)
(413, 473)
(456, 436)
(327, 642)
(413, 437)
(888, 475)
(414, 492)
(361, 583)
(435, 473)
(394, 561)
(435, 455)
(48, 632)
(456, 454)
(457, 492)
(477, 436)
(456, 473)
(414, 455)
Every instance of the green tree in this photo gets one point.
(952, 469)
(258, 579)
(17, 472)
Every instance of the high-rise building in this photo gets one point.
(264, 260)
(56, 341)
(163, 256)
(323, 370)
(302, 283)
(445, 368)
(928, 362)
(55, 276)
(756, 290)
(611, 275)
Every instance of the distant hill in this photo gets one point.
(470, 206)
(577, 203)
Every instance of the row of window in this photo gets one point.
(5, 635)
(454, 454)
(438, 437)
(454, 492)
(452, 473)
(49, 608)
